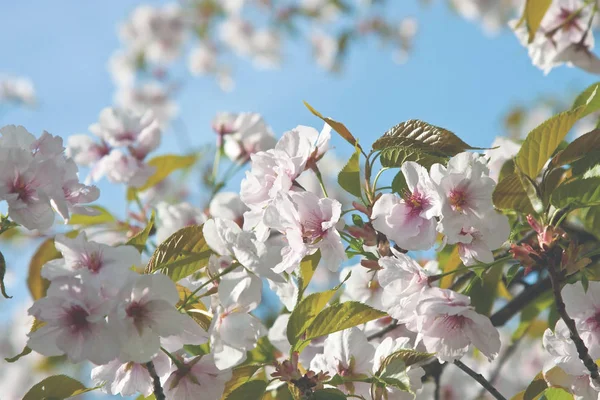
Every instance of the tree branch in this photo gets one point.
(582, 350)
(479, 378)
(158, 390)
(513, 307)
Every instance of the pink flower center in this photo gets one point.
(77, 319)
(92, 261)
(454, 322)
(568, 20)
(458, 199)
(138, 313)
(312, 230)
(593, 322)
(416, 201)
(22, 189)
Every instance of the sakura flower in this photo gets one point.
(563, 25)
(199, 377)
(233, 330)
(506, 150)
(122, 66)
(236, 34)
(174, 217)
(448, 325)
(348, 354)
(17, 90)
(145, 312)
(464, 194)
(227, 205)
(123, 128)
(122, 168)
(203, 60)
(75, 324)
(128, 379)
(483, 240)
(386, 348)
(110, 265)
(266, 48)
(403, 281)
(325, 49)
(84, 150)
(308, 224)
(248, 134)
(362, 286)
(584, 307)
(409, 221)
(148, 96)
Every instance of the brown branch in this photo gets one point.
(479, 378)
(582, 350)
(513, 307)
(158, 390)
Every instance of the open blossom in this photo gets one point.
(506, 150)
(80, 257)
(363, 286)
(158, 33)
(75, 324)
(199, 378)
(36, 178)
(245, 134)
(348, 354)
(478, 243)
(409, 221)
(403, 281)
(308, 224)
(227, 205)
(174, 217)
(464, 194)
(448, 325)
(129, 378)
(584, 307)
(145, 312)
(563, 27)
(325, 49)
(386, 348)
(148, 96)
(233, 330)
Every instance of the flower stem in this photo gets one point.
(561, 308)
(158, 390)
(480, 379)
(320, 178)
(191, 295)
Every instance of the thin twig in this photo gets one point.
(158, 390)
(479, 378)
(582, 350)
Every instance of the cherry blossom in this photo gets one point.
(173, 217)
(199, 377)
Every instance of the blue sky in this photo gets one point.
(457, 78)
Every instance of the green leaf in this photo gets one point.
(263, 353)
(535, 388)
(341, 316)
(588, 99)
(36, 284)
(251, 390)
(181, 254)
(393, 373)
(577, 194)
(509, 194)
(142, 397)
(165, 165)
(591, 220)
(399, 183)
(556, 394)
(104, 216)
(2, 273)
(140, 239)
(308, 267)
(409, 358)
(439, 140)
(578, 148)
(328, 394)
(240, 375)
(337, 126)
(530, 313)
(483, 291)
(56, 387)
(305, 312)
(349, 176)
(511, 273)
(534, 13)
(543, 141)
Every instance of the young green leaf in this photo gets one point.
(57, 387)
(555, 393)
(509, 194)
(305, 312)
(182, 254)
(341, 316)
(164, 166)
(349, 176)
(36, 284)
(2, 273)
(536, 387)
(251, 390)
(140, 239)
(337, 126)
(588, 99)
(308, 267)
(534, 13)
(399, 183)
(578, 148)
(103, 217)
(577, 194)
(240, 375)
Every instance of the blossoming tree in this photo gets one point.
(423, 274)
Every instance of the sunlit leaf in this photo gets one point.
(251, 390)
(349, 176)
(337, 126)
(307, 269)
(535, 388)
(103, 217)
(588, 99)
(556, 394)
(577, 194)
(509, 194)
(240, 375)
(164, 166)
(36, 284)
(305, 312)
(56, 387)
(181, 254)
(140, 239)
(534, 13)
(578, 148)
